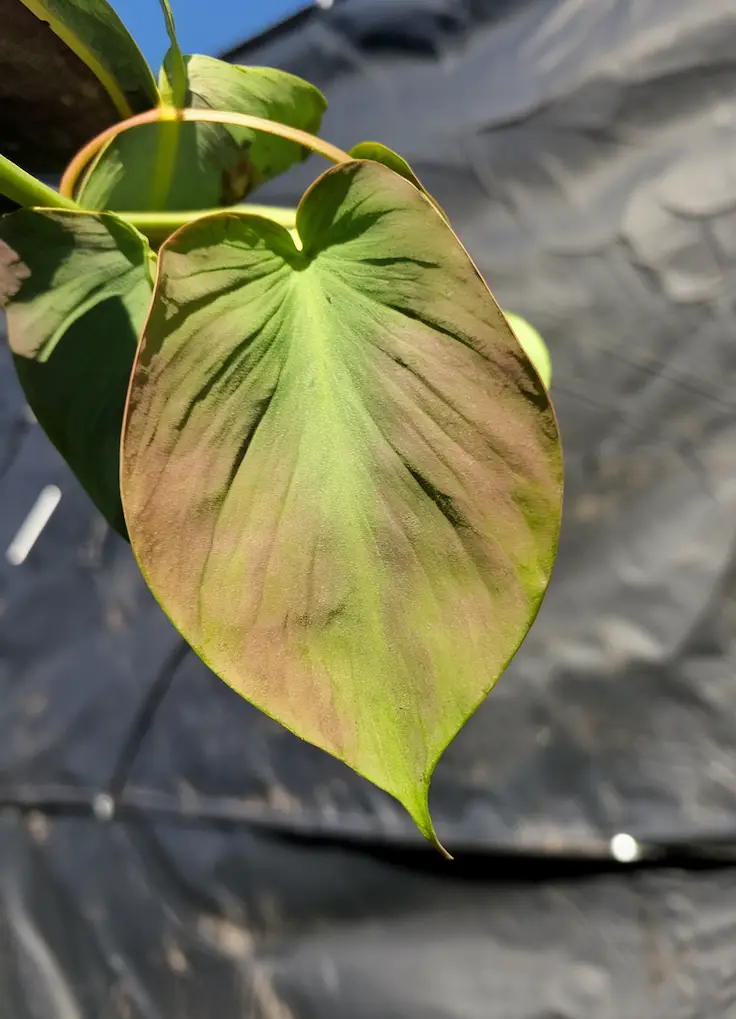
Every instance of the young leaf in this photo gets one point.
(92, 30)
(534, 346)
(176, 78)
(213, 164)
(383, 154)
(76, 288)
(340, 474)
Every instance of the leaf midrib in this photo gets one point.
(328, 364)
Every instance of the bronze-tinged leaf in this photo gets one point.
(341, 475)
(12, 272)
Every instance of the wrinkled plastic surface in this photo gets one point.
(585, 150)
(155, 919)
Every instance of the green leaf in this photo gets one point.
(341, 476)
(76, 288)
(534, 346)
(264, 92)
(382, 154)
(213, 164)
(92, 30)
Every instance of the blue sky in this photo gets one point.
(203, 26)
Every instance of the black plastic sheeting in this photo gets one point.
(167, 851)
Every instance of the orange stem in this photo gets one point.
(90, 150)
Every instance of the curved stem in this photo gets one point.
(164, 113)
(25, 189)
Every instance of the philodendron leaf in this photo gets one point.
(213, 165)
(92, 30)
(76, 288)
(340, 474)
(382, 154)
(263, 92)
(534, 346)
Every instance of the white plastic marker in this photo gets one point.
(30, 530)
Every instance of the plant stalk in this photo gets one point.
(157, 226)
(164, 113)
(22, 187)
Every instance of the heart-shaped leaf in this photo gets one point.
(207, 165)
(94, 32)
(76, 288)
(341, 475)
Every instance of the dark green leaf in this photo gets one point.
(76, 288)
(41, 124)
(212, 165)
(341, 476)
(92, 30)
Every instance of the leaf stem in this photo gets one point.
(25, 189)
(163, 113)
(157, 226)
(173, 87)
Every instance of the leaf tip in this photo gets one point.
(422, 818)
(443, 852)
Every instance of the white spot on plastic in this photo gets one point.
(103, 807)
(625, 848)
(30, 530)
(324, 4)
